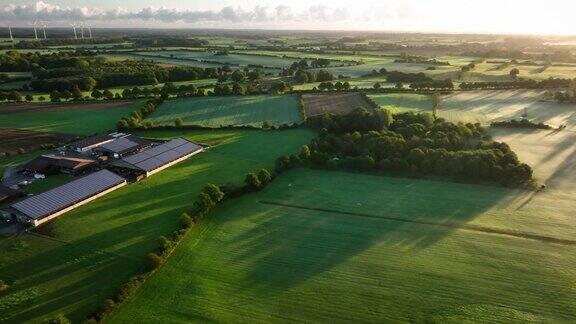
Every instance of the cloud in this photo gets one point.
(43, 11)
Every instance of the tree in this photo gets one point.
(377, 85)
(436, 102)
(59, 319)
(399, 86)
(252, 181)
(96, 94)
(238, 76)
(514, 72)
(305, 152)
(214, 192)
(154, 261)
(108, 94)
(3, 96)
(55, 96)
(178, 122)
(14, 96)
(41, 98)
(264, 177)
(29, 98)
(76, 93)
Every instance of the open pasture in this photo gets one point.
(95, 248)
(229, 111)
(403, 102)
(242, 60)
(338, 104)
(321, 246)
(66, 118)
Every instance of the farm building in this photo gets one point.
(48, 205)
(55, 163)
(8, 194)
(89, 143)
(159, 157)
(123, 146)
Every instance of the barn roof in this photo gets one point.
(160, 155)
(59, 198)
(92, 141)
(126, 144)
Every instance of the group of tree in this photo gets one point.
(14, 96)
(518, 84)
(522, 123)
(331, 86)
(418, 144)
(136, 119)
(308, 76)
(14, 61)
(420, 60)
(445, 85)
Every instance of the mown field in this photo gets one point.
(70, 118)
(98, 246)
(321, 246)
(229, 111)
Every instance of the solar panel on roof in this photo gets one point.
(59, 198)
(162, 154)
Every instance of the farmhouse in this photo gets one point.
(56, 163)
(158, 158)
(48, 205)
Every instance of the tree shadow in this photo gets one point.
(287, 245)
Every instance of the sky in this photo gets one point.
(452, 16)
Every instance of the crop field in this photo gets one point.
(14, 139)
(339, 104)
(68, 118)
(320, 246)
(242, 60)
(403, 102)
(98, 246)
(229, 111)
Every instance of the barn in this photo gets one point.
(50, 204)
(159, 157)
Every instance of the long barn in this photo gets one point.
(160, 157)
(48, 205)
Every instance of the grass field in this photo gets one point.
(226, 111)
(322, 246)
(98, 246)
(403, 102)
(67, 121)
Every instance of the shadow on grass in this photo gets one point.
(287, 246)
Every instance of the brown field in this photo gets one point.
(13, 139)
(339, 104)
(24, 107)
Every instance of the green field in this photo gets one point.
(380, 249)
(99, 245)
(229, 111)
(403, 102)
(69, 121)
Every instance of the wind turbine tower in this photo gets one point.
(90, 31)
(74, 28)
(35, 32)
(10, 31)
(44, 30)
(82, 30)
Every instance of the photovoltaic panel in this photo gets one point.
(162, 154)
(64, 196)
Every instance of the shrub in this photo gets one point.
(252, 181)
(59, 319)
(186, 220)
(3, 285)
(154, 261)
(264, 177)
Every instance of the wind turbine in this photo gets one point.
(44, 30)
(90, 31)
(74, 28)
(10, 31)
(35, 31)
(82, 30)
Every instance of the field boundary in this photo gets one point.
(468, 227)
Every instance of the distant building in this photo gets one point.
(55, 163)
(41, 208)
(89, 143)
